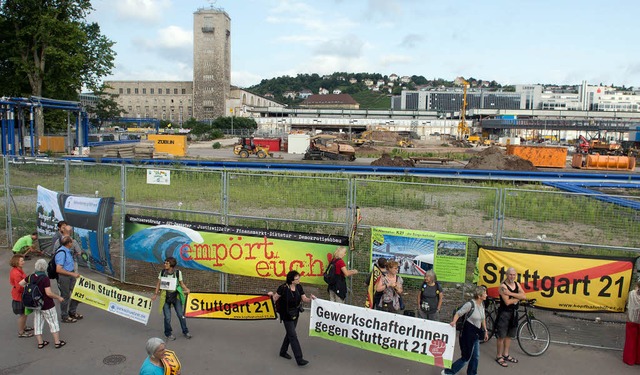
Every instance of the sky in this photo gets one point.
(509, 41)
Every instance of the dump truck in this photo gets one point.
(326, 147)
(596, 146)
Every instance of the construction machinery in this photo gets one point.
(405, 142)
(366, 137)
(603, 162)
(247, 147)
(596, 146)
(326, 147)
(463, 129)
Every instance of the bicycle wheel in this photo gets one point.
(533, 337)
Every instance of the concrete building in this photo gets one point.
(164, 100)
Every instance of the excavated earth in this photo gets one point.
(494, 158)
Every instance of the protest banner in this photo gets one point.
(112, 299)
(229, 306)
(401, 336)
(560, 282)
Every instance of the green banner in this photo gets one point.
(418, 251)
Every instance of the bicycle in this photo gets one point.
(532, 334)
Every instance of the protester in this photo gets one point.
(76, 249)
(475, 328)
(24, 245)
(67, 280)
(15, 276)
(153, 365)
(379, 270)
(430, 297)
(338, 291)
(291, 295)
(631, 353)
(511, 293)
(391, 287)
(48, 311)
(171, 283)
(57, 237)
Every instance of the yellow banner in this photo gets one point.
(560, 282)
(229, 306)
(171, 363)
(112, 299)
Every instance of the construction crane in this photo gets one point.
(463, 129)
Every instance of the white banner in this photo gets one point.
(401, 336)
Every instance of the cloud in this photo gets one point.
(244, 79)
(411, 41)
(172, 43)
(347, 47)
(146, 11)
(393, 60)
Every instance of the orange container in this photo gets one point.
(172, 144)
(611, 162)
(541, 156)
(52, 143)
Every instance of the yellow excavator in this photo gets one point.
(463, 129)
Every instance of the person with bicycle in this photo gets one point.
(474, 330)
(511, 293)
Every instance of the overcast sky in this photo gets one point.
(510, 41)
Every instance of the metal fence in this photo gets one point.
(529, 216)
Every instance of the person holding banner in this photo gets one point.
(631, 353)
(474, 328)
(338, 291)
(65, 267)
(287, 300)
(173, 294)
(373, 296)
(391, 287)
(511, 293)
(430, 297)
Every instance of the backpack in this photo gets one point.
(52, 271)
(463, 319)
(329, 275)
(31, 295)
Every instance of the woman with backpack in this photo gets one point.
(391, 287)
(48, 311)
(475, 328)
(430, 297)
(15, 276)
(338, 288)
(287, 300)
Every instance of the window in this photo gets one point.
(167, 91)
(128, 91)
(144, 91)
(159, 91)
(135, 90)
(175, 91)
(184, 91)
(121, 90)
(151, 91)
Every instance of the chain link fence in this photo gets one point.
(531, 216)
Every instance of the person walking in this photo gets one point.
(338, 290)
(474, 329)
(631, 352)
(48, 311)
(391, 287)
(172, 291)
(430, 297)
(15, 276)
(287, 300)
(511, 293)
(57, 237)
(67, 276)
(159, 359)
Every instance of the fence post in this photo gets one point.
(123, 213)
(7, 197)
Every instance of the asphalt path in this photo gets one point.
(241, 347)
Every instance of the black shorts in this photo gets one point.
(18, 307)
(505, 326)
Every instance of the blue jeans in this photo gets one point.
(472, 368)
(166, 311)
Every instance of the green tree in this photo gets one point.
(105, 109)
(50, 50)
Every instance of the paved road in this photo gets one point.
(237, 347)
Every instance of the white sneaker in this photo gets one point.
(443, 373)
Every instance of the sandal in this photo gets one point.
(27, 328)
(44, 343)
(501, 362)
(510, 359)
(25, 334)
(60, 344)
(69, 319)
(76, 316)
